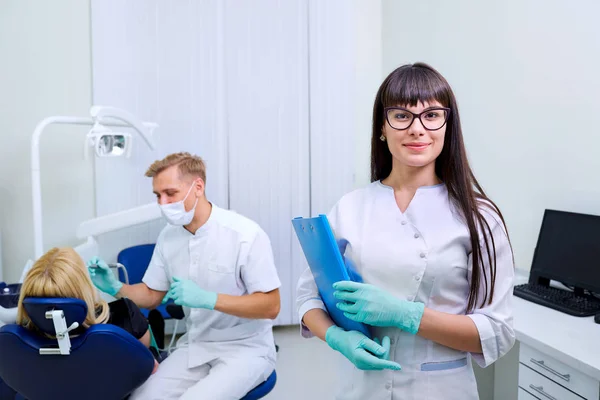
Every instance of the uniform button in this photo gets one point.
(388, 385)
(422, 255)
(417, 278)
(416, 235)
(404, 222)
(392, 341)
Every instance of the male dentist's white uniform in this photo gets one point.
(220, 353)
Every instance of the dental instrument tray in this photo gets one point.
(9, 295)
(327, 265)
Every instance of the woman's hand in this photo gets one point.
(374, 306)
(364, 353)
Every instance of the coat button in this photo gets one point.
(417, 278)
(404, 222)
(388, 385)
(422, 255)
(417, 235)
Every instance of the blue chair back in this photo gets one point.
(105, 362)
(136, 260)
(6, 392)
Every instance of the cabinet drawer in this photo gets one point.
(542, 387)
(564, 375)
(523, 395)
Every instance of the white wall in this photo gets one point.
(45, 70)
(526, 77)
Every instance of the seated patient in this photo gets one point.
(62, 273)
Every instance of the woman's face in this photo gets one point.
(415, 146)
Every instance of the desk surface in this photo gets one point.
(572, 340)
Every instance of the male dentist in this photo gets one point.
(219, 266)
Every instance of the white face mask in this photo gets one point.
(175, 213)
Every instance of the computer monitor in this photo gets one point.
(568, 251)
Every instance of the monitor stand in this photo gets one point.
(546, 282)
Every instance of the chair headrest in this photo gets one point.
(75, 310)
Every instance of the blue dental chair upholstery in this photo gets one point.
(105, 362)
(263, 389)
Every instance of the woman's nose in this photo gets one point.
(416, 128)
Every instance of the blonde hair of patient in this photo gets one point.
(61, 272)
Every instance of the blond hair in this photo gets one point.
(61, 273)
(188, 164)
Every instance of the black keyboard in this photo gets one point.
(559, 299)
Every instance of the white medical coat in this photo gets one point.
(424, 255)
(229, 254)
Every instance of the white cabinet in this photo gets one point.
(543, 377)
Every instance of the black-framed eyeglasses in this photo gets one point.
(432, 119)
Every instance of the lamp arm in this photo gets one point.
(35, 173)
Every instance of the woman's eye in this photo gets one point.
(400, 116)
(432, 115)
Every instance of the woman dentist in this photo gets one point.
(432, 249)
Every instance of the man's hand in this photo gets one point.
(102, 277)
(186, 293)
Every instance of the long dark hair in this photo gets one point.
(409, 85)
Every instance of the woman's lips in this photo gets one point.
(417, 146)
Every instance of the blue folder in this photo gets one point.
(327, 265)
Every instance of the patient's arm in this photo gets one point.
(146, 342)
(142, 295)
(146, 338)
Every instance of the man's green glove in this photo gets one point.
(186, 293)
(103, 277)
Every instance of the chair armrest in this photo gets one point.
(175, 311)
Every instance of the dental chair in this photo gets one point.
(103, 362)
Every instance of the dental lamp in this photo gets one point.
(104, 141)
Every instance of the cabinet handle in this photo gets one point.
(541, 364)
(540, 390)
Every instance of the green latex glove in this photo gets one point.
(374, 306)
(102, 276)
(363, 352)
(186, 293)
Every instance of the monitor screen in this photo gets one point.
(568, 250)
